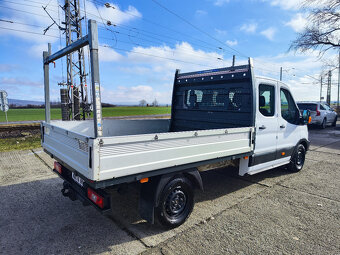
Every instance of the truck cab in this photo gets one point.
(279, 127)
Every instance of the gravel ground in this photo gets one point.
(274, 212)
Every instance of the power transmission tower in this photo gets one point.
(77, 93)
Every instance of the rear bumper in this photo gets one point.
(315, 122)
(75, 192)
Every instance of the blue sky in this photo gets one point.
(140, 54)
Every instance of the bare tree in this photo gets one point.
(142, 103)
(155, 102)
(322, 31)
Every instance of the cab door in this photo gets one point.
(266, 124)
(289, 132)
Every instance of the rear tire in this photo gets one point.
(323, 124)
(176, 202)
(298, 159)
(334, 122)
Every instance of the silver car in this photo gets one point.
(322, 114)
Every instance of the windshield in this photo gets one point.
(311, 107)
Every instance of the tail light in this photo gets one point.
(58, 167)
(95, 198)
(317, 111)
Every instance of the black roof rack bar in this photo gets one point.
(218, 71)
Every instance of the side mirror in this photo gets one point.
(306, 117)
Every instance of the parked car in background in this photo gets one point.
(322, 114)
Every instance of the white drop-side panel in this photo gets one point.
(122, 156)
(71, 148)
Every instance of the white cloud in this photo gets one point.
(249, 28)
(269, 33)
(157, 65)
(298, 22)
(220, 2)
(35, 24)
(286, 4)
(231, 43)
(134, 94)
(116, 15)
(163, 58)
(107, 54)
(297, 72)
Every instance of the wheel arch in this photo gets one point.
(150, 192)
(304, 142)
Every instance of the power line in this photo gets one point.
(170, 51)
(22, 23)
(197, 28)
(155, 56)
(36, 14)
(123, 27)
(29, 32)
(162, 26)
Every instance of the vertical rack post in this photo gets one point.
(97, 109)
(47, 87)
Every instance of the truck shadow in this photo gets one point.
(35, 218)
(223, 188)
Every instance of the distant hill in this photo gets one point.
(19, 102)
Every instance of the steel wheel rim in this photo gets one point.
(175, 203)
(300, 157)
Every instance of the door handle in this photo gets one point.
(282, 126)
(262, 127)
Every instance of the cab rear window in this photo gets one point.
(311, 107)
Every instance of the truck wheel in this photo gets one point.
(334, 122)
(298, 159)
(323, 124)
(176, 202)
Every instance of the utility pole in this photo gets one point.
(321, 89)
(337, 104)
(329, 88)
(75, 64)
(281, 73)
(234, 59)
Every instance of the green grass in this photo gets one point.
(39, 114)
(20, 143)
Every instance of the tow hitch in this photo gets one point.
(67, 191)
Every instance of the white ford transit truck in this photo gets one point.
(218, 117)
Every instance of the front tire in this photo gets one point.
(176, 202)
(298, 159)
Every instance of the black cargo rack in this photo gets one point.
(214, 98)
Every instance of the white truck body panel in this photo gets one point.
(124, 154)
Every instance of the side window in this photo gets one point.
(235, 99)
(267, 100)
(289, 111)
(322, 107)
(187, 97)
(205, 99)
